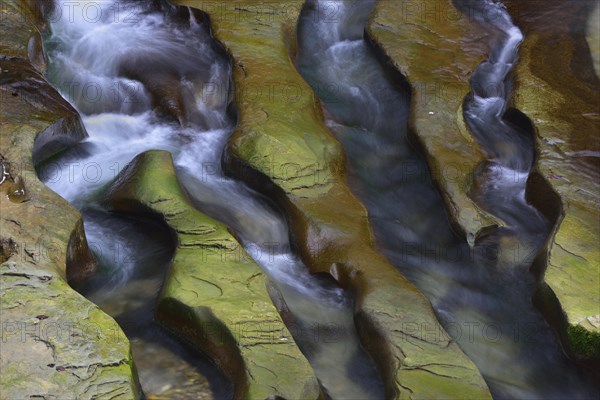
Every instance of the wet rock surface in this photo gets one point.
(558, 89)
(282, 148)
(436, 48)
(55, 343)
(215, 297)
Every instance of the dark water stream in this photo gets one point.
(482, 295)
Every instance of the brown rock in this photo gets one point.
(44, 322)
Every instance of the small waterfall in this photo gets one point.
(501, 181)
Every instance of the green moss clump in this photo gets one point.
(584, 343)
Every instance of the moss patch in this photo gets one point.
(585, 343)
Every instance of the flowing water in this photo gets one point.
(482, 295)
(142, 75)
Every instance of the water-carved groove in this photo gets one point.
(48, 235)
(573, 77)
(145, 123)
(330, 225)
(177, 110)
(481, 287)
(508, 181)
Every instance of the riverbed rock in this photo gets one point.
(435, 47)
(557, 88)
(282, 148)
(593, 36)
(215, 296)
(55, 343)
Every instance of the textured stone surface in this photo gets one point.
(215, 296)
(436, 48)
(558, 89)
(55, 343)
(282, 148)
(593, 36)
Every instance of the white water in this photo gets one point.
(510, 151)
(117, 133)
(86, 61)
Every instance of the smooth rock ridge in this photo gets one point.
(282, 148)
(215, 297)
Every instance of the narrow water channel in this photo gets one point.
(482, 296)
(142, 78)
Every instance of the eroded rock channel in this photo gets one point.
(143, 78)
(293, 245)
(367, 103)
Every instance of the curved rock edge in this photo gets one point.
(215, 296)
(541, 192)
(341, 246)
(558, 93)
(55, 342)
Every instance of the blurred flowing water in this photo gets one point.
(143, 76)
(483, 295)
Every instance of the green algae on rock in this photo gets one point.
(215, 297)
(282, 148)
(55, 343)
